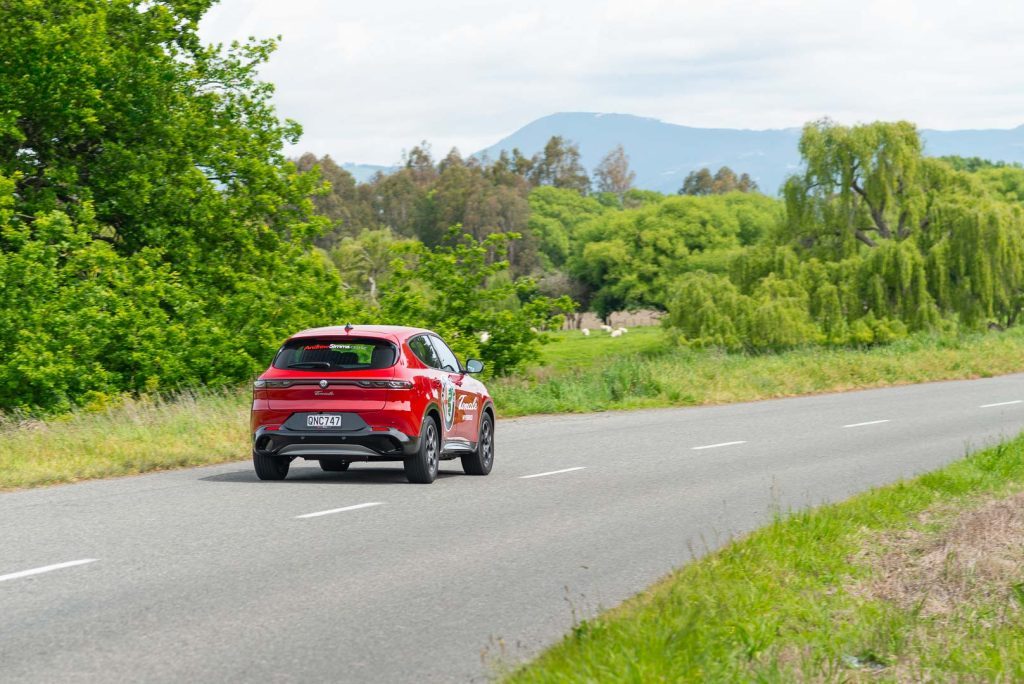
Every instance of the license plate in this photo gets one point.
(323, 421)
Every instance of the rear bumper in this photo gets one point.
(363, 444)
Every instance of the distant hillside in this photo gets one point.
(364, 172)
(662, 154)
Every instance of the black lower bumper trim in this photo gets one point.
(351, 445)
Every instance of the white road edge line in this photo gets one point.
(870, 422)
(1003, 403)
(552, 472)
(715, 446)
(340, 510)
(46, 568)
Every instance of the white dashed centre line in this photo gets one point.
(552, 472)
(46, 568)
(340, 510)
(870, 422)
(721, 444)
(1003, 403)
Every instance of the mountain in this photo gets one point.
(364, 172)
(662, 154)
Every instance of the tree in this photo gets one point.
(476, 296)
(866, 182)
(366, 261)
(629, 258)
(152, 234)
(698, 183)
(555, 215)
(724, 181)
(516, 163)
(973, 164)
(613, 173)
(559, 165)
(341, 200)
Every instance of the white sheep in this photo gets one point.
(585, 331)
(484, 336)
(623, 331)
(606, 328)
(616, 333)
(534, 330)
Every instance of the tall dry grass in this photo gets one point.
(137, 436)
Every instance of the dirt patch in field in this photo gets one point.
(975, 558)
(624, 319)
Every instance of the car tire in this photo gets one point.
(333, 466)
(269, 467)
(422, 468)
(481, 461)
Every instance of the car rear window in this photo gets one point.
(335, 355)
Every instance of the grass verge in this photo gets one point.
(137, 436)
(576, 374)
(918, 581)
(597, 373)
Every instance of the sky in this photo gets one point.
(368, 80)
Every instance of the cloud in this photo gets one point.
(368, 80)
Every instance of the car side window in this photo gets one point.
(449, 361)
(423, 350)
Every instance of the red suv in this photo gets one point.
(371, 393)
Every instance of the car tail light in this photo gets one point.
(388, 384)
(271, 384)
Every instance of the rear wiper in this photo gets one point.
(310, 364)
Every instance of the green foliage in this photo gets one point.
(709, 311)
(725, 180)
(630, 257)
(152, 235)
(555, 214)
(345, 204)
(1005, 182)
(367, 260)
(559, 165)
(861, 183)
(972, 164)
(773, 301)
(458, 290)
(878, 242)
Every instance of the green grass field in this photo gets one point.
(569, 350)
(918, 581)
(643, 370)
(640, 369)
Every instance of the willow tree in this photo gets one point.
(861, 184)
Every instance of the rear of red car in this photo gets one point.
(336, 395)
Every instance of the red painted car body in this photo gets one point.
(361, 393)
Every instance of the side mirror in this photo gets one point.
(474, 366)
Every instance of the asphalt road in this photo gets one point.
(207, 575)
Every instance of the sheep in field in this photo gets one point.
(585, 331)
(606, 328)
(616, 333)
